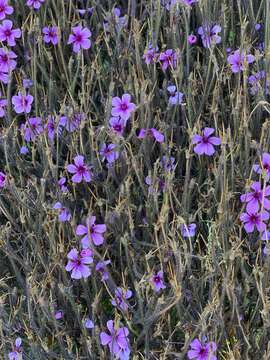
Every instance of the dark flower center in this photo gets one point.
(123, 106)
(156, 279)
(205, 140)
(78, 38)
(8, 32)
(256, 195)
(81, 169)
(203, 351)
(4, 58)
(266, 166)
(117, 127)
(254, 218)
(78, 262)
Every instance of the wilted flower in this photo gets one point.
(52, 127)
(64, 213)
(8, 34)
(200, 351)
(80, 38)
(154, 187)
(32, 128)
(5, 9)
(92, 232)
(22, 103)
(101, 268)
(50, 35)
(120, 297)
(153, 133)
(209, 35)
(2, 179)
(108, 153)
(188, 230)
(168, 58)
(157, 281)
(78, 263)
(117, 341)
(122, 107)
(258, 81)
(115, 21)
(17, 350)
(205, 142)
(27, 83)
(35, 4)
(237, 60)
(72, 123)
(254, 219)
(3, 104)
(80, 170)
(168, 163)
(176, 97)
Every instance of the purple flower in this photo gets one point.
(88, 324)
(17, 350)
(2, 179)
(80, 38)
(176, 97)
(35, 4)
(205, 142)
(108, 153)
(7, 62)
(3, 104)
(22, 103)
(120, 298)
(154, 188)
(168, 163)
(264, 167)
(101, 268)
(51, 127)
(32, 128)
(24, 150)
(188, 230)
(58, 315)
(238, 59)
(117, 125)
(115, 22)
(72, 123)
(254, 219)
(92, 232)
(27, 83)
(5, 9)
(64, 213)
(192, 39)
(201, 351)
(61, 184)
(8, 34)
(151, 55)
(152, 133)
(80, 170)
(258, 27)
(122, 107)
(168, 58)
(157, 281)
(209, 35)
(258, 81)
(117, 341)
(256, 197)
(50, 35)
(4, 77)
(78, 263)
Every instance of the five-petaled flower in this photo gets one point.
(256, 197)
(168, 59)
(209, 35)
(122, 107)
(254, 219)
(22, 103)
(80, 38)
(264, 166)
(50, 35)
(201, 351)
(108, 153)
(64, 214)
(78, 263)
(7, 62)
(117, 125)
(205, 142)
(117, 341)
(32, 128)
(92, 232)
(80, 170)
(5, 9)
(238, 59)
(176, 97)
(8, 34)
